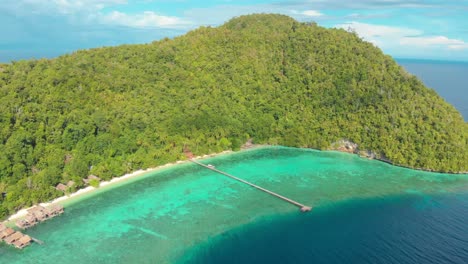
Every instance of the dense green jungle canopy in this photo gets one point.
(113, 110)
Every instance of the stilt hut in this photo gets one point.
(39, 212)
(7, 232)
(56, 209)
(28, 221)
(23, 242)
(13, 237)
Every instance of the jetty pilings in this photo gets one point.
(302, 207)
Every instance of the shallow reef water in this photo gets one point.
(185, 212)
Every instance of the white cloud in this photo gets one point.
(432, 41)
(93, 12)
(458, 46)
(371, 31)
(71, 6)
(379, 35)
(143, 20)
(60, 6)
(398, 38)
(312, 13)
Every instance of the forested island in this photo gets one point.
(113, 110)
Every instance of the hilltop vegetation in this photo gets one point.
(113, 110)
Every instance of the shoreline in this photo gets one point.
(142, 172)
(120, 179)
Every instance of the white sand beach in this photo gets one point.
(23, 212)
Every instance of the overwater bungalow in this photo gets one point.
(7, 232)
(22, 224)
(39, 214)
(23, 242)
(16, 238)
(55, 210)
(28, 221)
(13, 237)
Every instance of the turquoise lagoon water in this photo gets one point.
(185, 213)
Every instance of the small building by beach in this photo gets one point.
(91, 177)
(61, 187)
(65, 187)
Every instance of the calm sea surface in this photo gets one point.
(402, 229)
(449, 79)
(364, 212)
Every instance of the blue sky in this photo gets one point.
(431, 29)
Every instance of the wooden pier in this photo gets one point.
(302, 207)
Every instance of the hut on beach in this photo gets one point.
(13, 237)
(91, 177)
(64, 187)
(61, 187)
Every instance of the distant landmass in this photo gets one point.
(269, 78)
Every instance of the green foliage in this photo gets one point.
(113, 110)
(94, 183)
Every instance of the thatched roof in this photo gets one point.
(8, 231)
(30, 218)
(13, 237)
(36, 210)
(2, 227)
(91, 177)
(25, 239)
(56, 208)
(70, 183)
(22, 224)
(61, 187)
(23, 242)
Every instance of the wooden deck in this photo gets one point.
(302, 207)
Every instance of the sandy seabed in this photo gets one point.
(23, 212)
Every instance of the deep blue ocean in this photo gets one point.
(411, 228)
(404, 229)
(448, 79)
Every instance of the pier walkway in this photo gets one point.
(302, 207)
